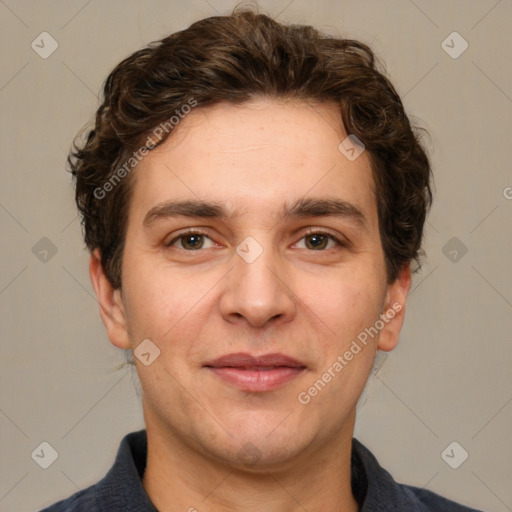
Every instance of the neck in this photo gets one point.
(181, 478)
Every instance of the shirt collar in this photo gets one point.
(373, 487)
(125, 478)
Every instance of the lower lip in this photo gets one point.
(257, 380)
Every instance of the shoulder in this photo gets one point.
(81, 501)
(377, 491)
(428, 501)
(120, 489)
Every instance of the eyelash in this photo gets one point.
(311, 231)
(185, 234)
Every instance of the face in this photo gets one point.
(251, 236)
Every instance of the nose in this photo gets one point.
(257, 292)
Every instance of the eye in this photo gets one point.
(191, 241)
(318, 241)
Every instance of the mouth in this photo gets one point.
(256, 374)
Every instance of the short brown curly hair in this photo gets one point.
(235, 59)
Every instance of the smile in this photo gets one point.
(256, 374)
(257, 379)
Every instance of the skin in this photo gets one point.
(198, 304)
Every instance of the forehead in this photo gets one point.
(255, 157)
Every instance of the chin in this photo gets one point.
(261, 456)
(259, 446)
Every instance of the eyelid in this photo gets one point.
(185, 232)
(341, 240)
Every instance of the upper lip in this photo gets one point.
(242, 359)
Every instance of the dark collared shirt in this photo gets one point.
(121, 489)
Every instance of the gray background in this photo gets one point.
(449, 379)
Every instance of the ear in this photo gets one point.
(110, 302)
(394, 310)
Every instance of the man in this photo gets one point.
(253, 196)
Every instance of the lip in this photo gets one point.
(256, 374)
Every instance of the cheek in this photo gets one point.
(346, 352)
(345, 304)
(164, 305)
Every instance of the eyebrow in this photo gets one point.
(304, 207)
(311, 207)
